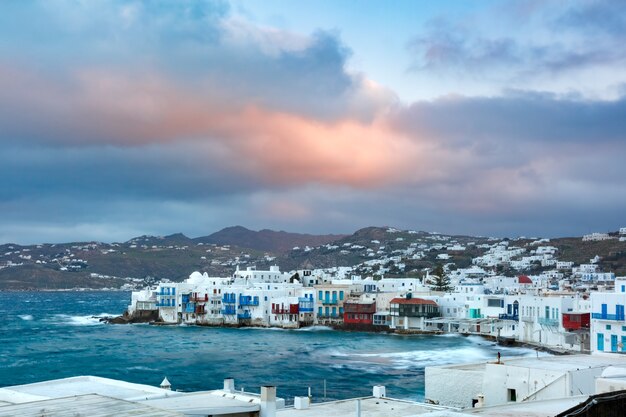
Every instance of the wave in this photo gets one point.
(25, 317)
(315, 329)
(89, 320)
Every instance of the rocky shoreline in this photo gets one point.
(152, 317)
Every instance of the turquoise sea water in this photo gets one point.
(49, 335)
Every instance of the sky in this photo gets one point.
(497, 118)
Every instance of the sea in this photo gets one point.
(50, 335)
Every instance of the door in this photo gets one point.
(601, 342)
(613, 343)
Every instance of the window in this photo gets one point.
(341, 295)
(608, 327)
(511, 395)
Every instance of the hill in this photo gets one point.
(371, 251)
(266, 240)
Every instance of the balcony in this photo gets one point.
(601, 316)
(329, 316)
(229, 299)
(329, 301)
(199, 298)
(248, 301)
(528, 319)
(360, 308)
(544, 321)
(244, 316)
(305, 305)
(229, 311)
(508, 317)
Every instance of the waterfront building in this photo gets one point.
(541, 321)
(359, 312)
(408, 313)
(608, 321)
(512, 380)
(330, 303)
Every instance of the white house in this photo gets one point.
(608, 324)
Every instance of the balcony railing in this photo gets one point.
(229, 299)
(229, 311)
(249, 301)
(359, 308)
(544, 321)
(600, 316)
(329, 316)
(329, 301)
(508, 317)
(244, 316)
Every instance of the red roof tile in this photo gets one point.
(523, 279)
(399, 300)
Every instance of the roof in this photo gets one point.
(524, 279)
(370, 407)
(207, 403)
(92, 405)
(81, 385)
(399, 300)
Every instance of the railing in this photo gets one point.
(229, 311)
(544, 321)
(601, 316)
(199, 298)
(229, 299)
(528, 319)
(359, 308)
(163, 304)
(329, 301)
(244, 316)
(249, 301)
(190, 308)
(508, 317)
(329, 316)
(305, 305)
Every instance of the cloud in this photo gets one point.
(556, 47)
(178, 116)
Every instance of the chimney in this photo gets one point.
(268, 401)
(165, 384)
(379, 391)
(301, 403)
(229, 385)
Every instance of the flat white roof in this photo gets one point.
(370, 407)
(82, 385)
(91, 405)
(206, 403)
(557, 362)
(530, 409)
(566, 362)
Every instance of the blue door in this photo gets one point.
(604, 311)
(601, 342)
(613, 343)
(623, 344)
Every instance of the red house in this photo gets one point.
(355, 313)
(575, 321)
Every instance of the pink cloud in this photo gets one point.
(98, 107)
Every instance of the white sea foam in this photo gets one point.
(26, 317)
(315, 329)
(90, 320)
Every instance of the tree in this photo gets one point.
(439, 280)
